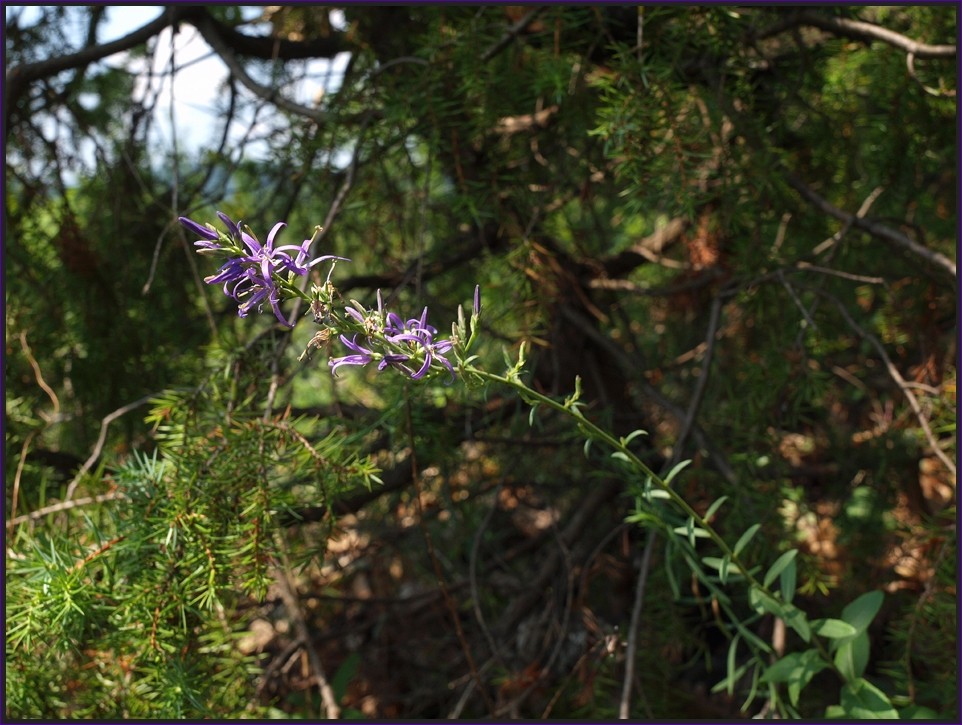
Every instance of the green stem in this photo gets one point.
(593, 431)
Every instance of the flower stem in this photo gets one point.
(597, 433)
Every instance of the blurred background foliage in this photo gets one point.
(736, 225)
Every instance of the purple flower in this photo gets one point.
(207, 234)
(418, 335)
(249, 277)
(362, 356)
(408, 346)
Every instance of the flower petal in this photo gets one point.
(196, 228)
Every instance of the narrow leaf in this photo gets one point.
(779, 565)
(787, 581)
(745, 538)
(714, 507)
(676, 470)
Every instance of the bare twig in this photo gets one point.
(699, 393)
(624, 706)
(101, 439)
(839, 273)
(208, 29)
(289, 594)
(15, 496)
(798, 303)
(829, 244)
(438, 573)
(38, 374)
(939, 92)
(873, 227)
(896, 377)
(65, 506)
(868, 32)
(19, 77)
(473, 579)
(510, 34)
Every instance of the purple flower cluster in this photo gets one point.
(411, 347)
(253, 271)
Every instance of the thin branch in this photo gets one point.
(288, 593)
(875, 228)
(510, 34)
(38, 374)
(65, 506)
(895, 375)
(624, 705)
(15, 496)
(798, 303)
(473, 579)
(101, 439)
(695, 403)
(17, 78)
(838, 273)
(436, 565)
(210, 31)
(869, 32)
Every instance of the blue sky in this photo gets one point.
(201, 79)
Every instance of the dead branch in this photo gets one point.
(894, 374)
(860, 30)
(101, 439)
(510, 34)
(873, 227)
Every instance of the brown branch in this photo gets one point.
(870, 32)
(873, 227)
(288, 591)
(211, 32)
(510, 34)
(19, 77)
(65, 506)
(272, 48)
(894, 374)
(101, 439)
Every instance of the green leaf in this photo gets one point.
(587, 446)
(863, 700)
(851, 657)
(862, 611)
(745, 538)
(787, 581)
(675, 471)
(651, 492)
(621, 456)
(720, 564)
(917, 712)
(714, 507)
(730, 679)
(833, 628)
(798, 620)
(691, 531)
(631, 436)
(794, 617)
(779, 565)
(782, 670)
(797, 670)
